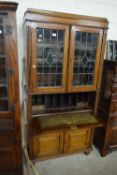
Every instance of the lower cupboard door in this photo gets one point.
(47, 145)
(77, 140)
(7, 160)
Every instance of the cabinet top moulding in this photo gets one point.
(51, 16)
(8, 5)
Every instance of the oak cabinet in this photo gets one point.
(62, 73)
(10, 137)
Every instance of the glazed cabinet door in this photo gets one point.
(6, 71)
(85, 49)
(8, 158)
(49, 57)
(77, 140)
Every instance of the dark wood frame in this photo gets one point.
(55, 89)
(106, 138)
(13, 115)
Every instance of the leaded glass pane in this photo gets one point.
(50, 53)
(84, 58)
(3, 77)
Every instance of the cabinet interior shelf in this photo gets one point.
(51, 103)
(48, 111)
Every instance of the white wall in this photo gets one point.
(100, 8)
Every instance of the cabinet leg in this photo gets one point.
(104, 152)
(87, 152)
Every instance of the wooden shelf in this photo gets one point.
(48, 111)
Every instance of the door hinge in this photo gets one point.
(8, 30)
(10, 72)
(12, 107)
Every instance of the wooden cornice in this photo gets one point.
(94, 21)
(8, 5)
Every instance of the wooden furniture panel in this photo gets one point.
(113, 107)
(77, 140)
(113, 139)
(46, 145)
(52, 144)
(106, 139)
(6, 124)
(7, 138)
(8, 162)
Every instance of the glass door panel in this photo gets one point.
(50, 57)
(49, 60)
(84, 58)
(1, 41)
(3, 76)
